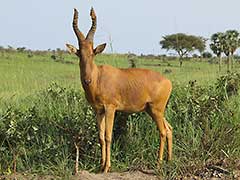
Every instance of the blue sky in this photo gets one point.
(133, 25)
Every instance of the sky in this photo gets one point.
(134, 26)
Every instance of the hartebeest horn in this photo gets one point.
(92, 30)
(78, 33)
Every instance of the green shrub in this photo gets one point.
(45, 133)
(41, 136)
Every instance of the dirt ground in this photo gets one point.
(85, 175)
(213, 174)
(135, 175)
(210, 174)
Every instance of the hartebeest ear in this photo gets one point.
(71, 49)
(99, 48)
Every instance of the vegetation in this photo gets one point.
(206, 55)
(42, 134)
(222, 43)
(231, 43)
(45, 120)
(183, 44)
(22, 75)
(226, 43)
(217, 46)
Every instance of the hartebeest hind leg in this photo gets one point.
(165, 131)
(101, 129)
(169, 139)
(109, 119)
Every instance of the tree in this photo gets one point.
(206, 54)
(21, 49)
(230, 46)
(226, 43)
(217, 46)
(2, 50)
(182, 44)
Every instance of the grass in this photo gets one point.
(21, 75)
(200, 116)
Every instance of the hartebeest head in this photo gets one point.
(86, 52)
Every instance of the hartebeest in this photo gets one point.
(109, 89)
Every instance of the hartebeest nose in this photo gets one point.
(87, 81)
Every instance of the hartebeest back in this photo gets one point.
(109, 89)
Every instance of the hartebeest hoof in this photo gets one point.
(106, 169)
(159, 164)
(102, 168)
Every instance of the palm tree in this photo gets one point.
(232, 38)
(217, 46)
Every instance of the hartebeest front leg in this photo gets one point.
(101, 129)
(109, 119)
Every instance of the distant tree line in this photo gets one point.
(24, 49)
(55, 54)
(220, 43)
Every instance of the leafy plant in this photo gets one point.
(56, 132)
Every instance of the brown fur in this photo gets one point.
(109, 89)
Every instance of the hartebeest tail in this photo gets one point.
(109, 89)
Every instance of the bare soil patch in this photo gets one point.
(211, 172)
(135, 175)
(85, 175)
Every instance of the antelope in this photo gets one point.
(109, 89)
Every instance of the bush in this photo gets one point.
(47, 131)
(206, 55)
(228, 85)
(43, 135)
(206, 128)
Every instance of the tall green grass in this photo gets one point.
(39, 133)
(40, 123)
(22, 75)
